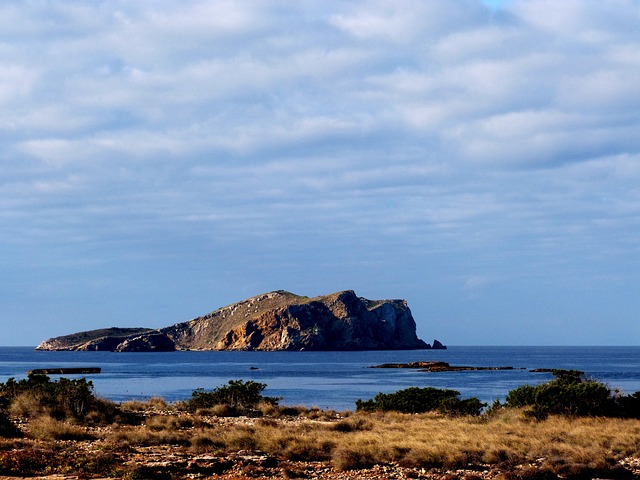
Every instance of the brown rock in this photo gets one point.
(275, 321)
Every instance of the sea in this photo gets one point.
(329, 380)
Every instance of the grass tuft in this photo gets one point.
(48, 428)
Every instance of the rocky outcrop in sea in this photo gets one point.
(272, 321)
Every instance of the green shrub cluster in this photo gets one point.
(238, 396)
(570, 393)
(64, 399)
(420, 400)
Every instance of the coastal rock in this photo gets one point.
(151, 342)
(272, 321)
(104, 339)
(437, 366)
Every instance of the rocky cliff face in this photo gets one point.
(104, 339)
(274, 321)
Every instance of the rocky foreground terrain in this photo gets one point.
(272, 321)
(176, 445)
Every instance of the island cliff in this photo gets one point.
(272, 321)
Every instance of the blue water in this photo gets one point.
(328, 379)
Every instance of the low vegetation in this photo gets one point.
(570, 393)
(427, 432)
(420, 400)
(63, 400)
(235, 398)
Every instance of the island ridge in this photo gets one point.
(273, 321)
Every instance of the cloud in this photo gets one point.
(498, 136)
(578, 18)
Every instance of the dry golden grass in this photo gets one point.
(47, 428)
(435, 441)
(125, 437)
(169, 422)
(506, 440)
(26, 405)
(154, 403)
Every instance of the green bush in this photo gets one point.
(521, 396)
(237, 394)
(570, 393)
(419, 400)
(467, 406)
(63, 399)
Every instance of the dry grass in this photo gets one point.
(427, 441)
(48, 428)
(27, 405)
(170, 422)
(126, 437)
(505, 440)
(150, 405)
(219, 411)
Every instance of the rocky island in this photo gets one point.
(272, 321)
(437, 366)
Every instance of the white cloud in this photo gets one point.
(580, 18)
(414, 128)
(16, 81)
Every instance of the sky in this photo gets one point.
(160, 160)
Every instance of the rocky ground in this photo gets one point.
(155, 463)
(181, 462)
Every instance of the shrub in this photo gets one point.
(581, 398)
(126, 437)
(220, 410)
(351, 425)
(352, 458)
(307, 448)
(237, 394)
(570, 393)
(158, 423)
(37, 395)
(521, 396)
(456, 406)
(153, 403)
(27, 405)
(47, 428)
(420, 400)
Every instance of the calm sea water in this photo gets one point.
(328, 379)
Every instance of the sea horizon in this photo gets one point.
(446, 344)
(329, 379)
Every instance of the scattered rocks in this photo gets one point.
(64, 371)
(435, 366)
(179, 460)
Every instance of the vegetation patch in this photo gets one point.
(238, 396)
(570, 393)
(420, 400)
(414, 433)
(64, 399)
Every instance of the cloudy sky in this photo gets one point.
(159, 160)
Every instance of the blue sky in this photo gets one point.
(160, 160)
